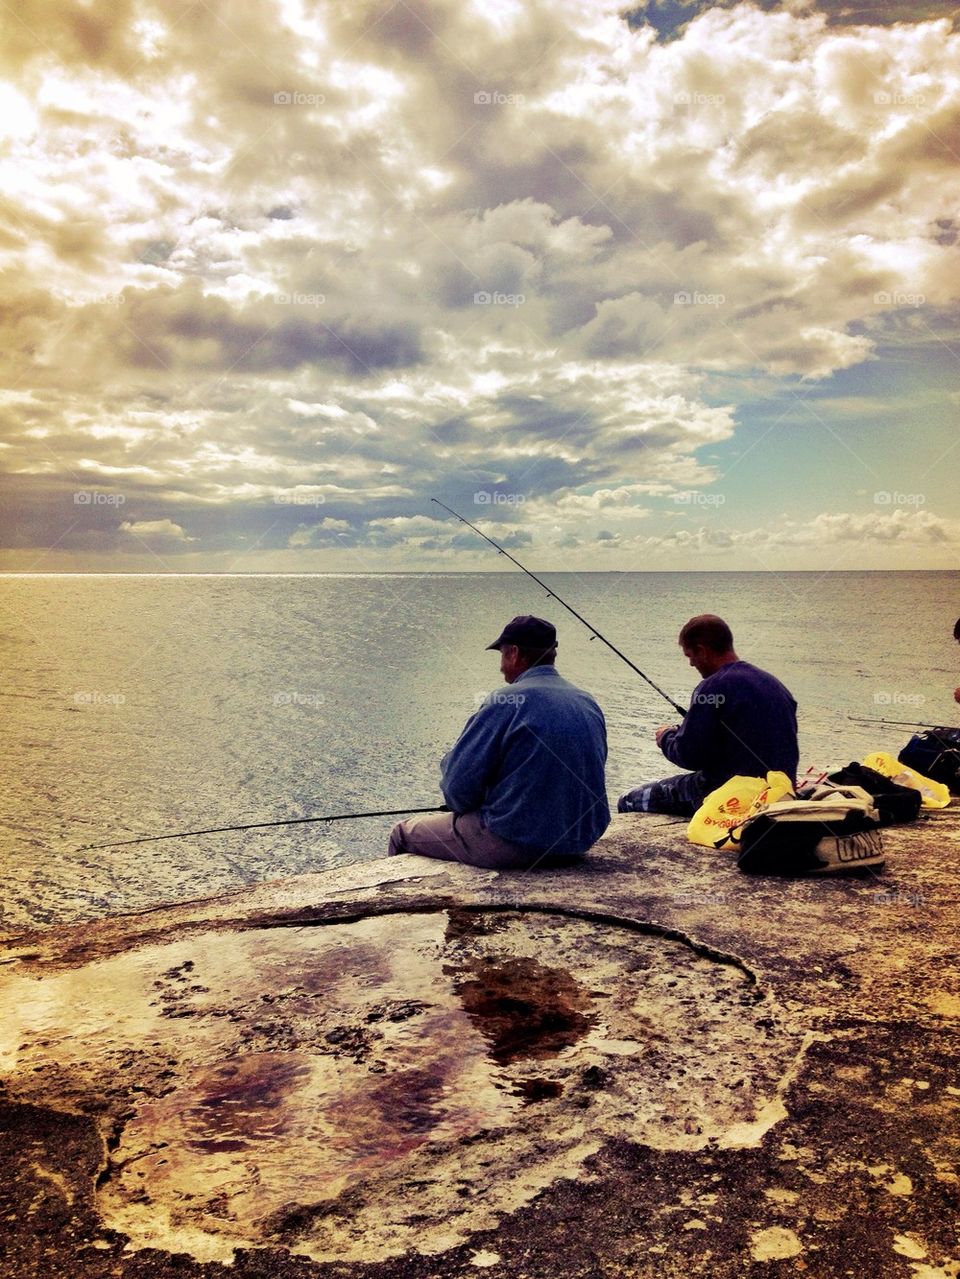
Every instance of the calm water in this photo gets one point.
(140, 705)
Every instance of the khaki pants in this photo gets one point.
(461, 837)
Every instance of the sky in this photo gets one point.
(671, 286)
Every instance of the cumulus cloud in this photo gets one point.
(365, 255)
(827, 541)
(162, 529)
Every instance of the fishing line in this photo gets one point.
(553, 595)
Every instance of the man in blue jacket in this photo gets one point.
(741, 721)
(525, 779)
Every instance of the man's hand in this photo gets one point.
(666, 728)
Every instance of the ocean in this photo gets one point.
(151, 704)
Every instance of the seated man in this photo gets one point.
(525, 779)
(741, 721)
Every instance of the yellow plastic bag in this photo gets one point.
(935, 794)
(716, 821)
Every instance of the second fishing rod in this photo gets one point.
(553, 595)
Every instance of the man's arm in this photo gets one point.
(469, 768)
(693, 743)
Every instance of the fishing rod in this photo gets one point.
(292, 821)
(553, 595)
(904, 723)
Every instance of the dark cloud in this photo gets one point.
(184, 328)
(76, 33)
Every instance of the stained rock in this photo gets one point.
(453, 1064)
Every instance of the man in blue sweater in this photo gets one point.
(525, 779)
(741, 721)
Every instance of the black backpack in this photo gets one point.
(894, 803)
(811, 837)
(936, 753)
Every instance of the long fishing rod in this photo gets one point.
(553, 595)
(905, 723)
(292, 821)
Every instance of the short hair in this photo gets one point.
(956, 630)
(710, 631)
(537, 656)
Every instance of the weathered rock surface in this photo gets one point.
(648, 1065)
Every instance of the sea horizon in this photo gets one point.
(492, 572)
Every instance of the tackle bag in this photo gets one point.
(894, 803)
(812, 837)
(935, 753)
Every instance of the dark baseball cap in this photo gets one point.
(527, 632)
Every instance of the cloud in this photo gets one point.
(825, 532)
(160, 529)
(366, 255)
(324, 532)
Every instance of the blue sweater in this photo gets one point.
(531, 762)
(741, 721)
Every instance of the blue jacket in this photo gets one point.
(741, 720)
(531, 762)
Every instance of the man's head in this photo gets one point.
(707, 643)
(524, 642)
